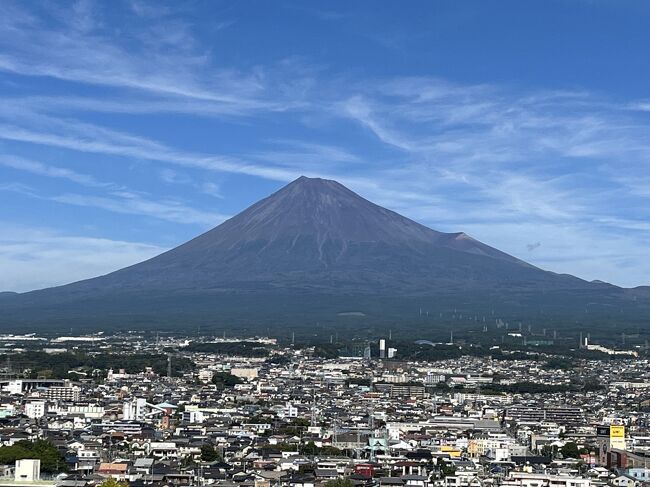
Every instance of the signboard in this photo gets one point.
(617, 437)
(617, 431)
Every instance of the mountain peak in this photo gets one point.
(322, 220)
(306, 179)
(313, 237)
(313, 185)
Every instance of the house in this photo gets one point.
(325, 474)
(300, 481)
(391, 482)
(115, 470)
(143, 466)
(415, 480)
(625, 480)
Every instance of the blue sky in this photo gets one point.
(128, 127)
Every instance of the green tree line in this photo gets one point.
(51, 459)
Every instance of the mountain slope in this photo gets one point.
(313, 239)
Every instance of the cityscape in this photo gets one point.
(325, 243)
(152, 409)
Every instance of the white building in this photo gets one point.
(28, 470)
(135, 410)
(523, 479)
(205, 375)
(194, 417)
(88, 411)
(245, 372)
(14, 387)
(289, 411)
(63, 393)
(35, 409)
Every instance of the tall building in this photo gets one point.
(63, 393)
(367, 354)
(609, 438)
(35, 409)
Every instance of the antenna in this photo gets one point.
(169, 365)
(371, 421)
(313, 408)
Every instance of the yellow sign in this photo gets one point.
(617, 437)
(617, 431)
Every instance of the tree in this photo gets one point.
(340, 482)
(447, 469)
(223, 380)
(311, 449)
(326, 350)
(549, 451)
(51, 459)
(570, 450)
(209, 454)
(111, 482)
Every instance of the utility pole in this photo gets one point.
(313, 408)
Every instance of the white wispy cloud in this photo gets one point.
(161, 58)
(90, 138)
(133, 204)
(33, 258)
(172, 176)
(128, 203)
(509, 164)
(41, 169)
(510, 147)
(583, 249)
